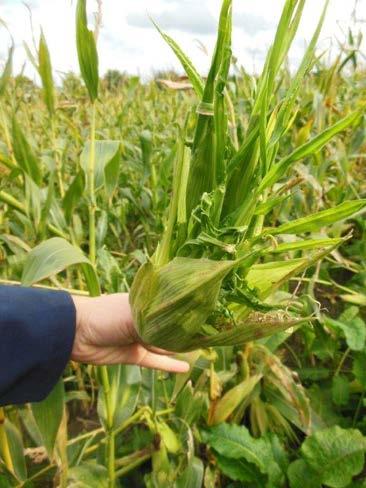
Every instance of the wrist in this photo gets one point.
(81, 308)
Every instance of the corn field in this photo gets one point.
(231, 207)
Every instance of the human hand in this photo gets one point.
(105, 334)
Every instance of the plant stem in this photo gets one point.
(126, 469)
(38, 474)
(91, 188)
(57, 158)
(110, 448)
(341, 362)
(4, 445)
(82, 437)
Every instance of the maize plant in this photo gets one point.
(206, 284)
(255, 191)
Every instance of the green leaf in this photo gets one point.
(48, 416)
(297, 81)
(267, 277)
(169, 437)
(307, 149)
(241, 470)
(7, 479)
(301, 475)
(24, 155)
(264, 208)
(192, 73)
(87, 51)
(340, 390)
(88, 475)
(226, 405)
(354, 331)
(358, 367)
(4, 79)
(336, 454)
(203, 174)
(192, 476)
(234, 443)
(316, 221)
(73, 194)
(125, 386)
(45, 72)
(30, 55)
(54, 255)
(306, 244)
(16, 450)
(107, 162)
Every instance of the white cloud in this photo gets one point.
(128, 43)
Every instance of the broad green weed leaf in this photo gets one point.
(301, 475)
(233, 444)
(87, 51)
(354, 331)
(48, 416)
(336, 454)
(243, 471)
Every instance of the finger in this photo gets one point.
(134, 354)
(138, 354)
(163, 363)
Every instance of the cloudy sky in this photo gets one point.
(129, 42)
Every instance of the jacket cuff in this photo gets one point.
(38, 332)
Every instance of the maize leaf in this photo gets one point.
(171, 302)
(203, 171)
(87, 51)
(309, 148)
(54, 255)
(192, 73)
(24, 155)
(5, 77)
(313, 223)
(45, 72)
(254, 327)
(223, 408)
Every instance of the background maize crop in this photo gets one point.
(239, 199)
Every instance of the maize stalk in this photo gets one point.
(196, 290)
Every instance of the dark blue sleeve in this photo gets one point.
(37, 329)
